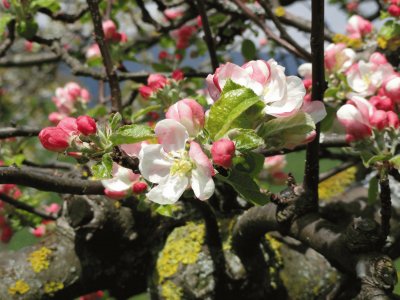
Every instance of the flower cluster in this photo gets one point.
(394, 8)
(68, 100)
(6, 231)
(66, 133)
(156, 82)
(273, 169)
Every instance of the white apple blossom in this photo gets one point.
(174, 168)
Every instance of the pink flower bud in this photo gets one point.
(86, 125)
(39, 231)
(177, 75)
(156, 81)
(173, 13)
(75, 154)
(378, 58)
(85, 95)
(357, 27)
(394, 10)
(392, 88)
(6, 234)
(73, 90)
(28, 46)
(382, 103)
(379, 119)
(54, 139)
(53, 208)
(69, 126)
(93, 51)
(199, 21)
(222, 152)
(163, 55)
(145, 91)
(189, 113)
(109, 29)
(393, 119)
(139, 187)
(55, 117)
(114, 194)
(6, 4)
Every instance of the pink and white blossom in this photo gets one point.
(355, 117)
(39, 231)
(121, 183)
(358, 27)
(189, 113)
(391, 87)
(338, 58)
(174, 168)
(93, 52)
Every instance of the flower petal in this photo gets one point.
(202, 184)
(153, 165)
(171, 135)
(116, 184)
(201, 160)
(169, 190)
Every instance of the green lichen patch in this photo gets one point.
(19, 288)
(182, 247)
(39, 259)
(337, 184)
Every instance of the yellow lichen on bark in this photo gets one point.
(19, 288)
(53, 286)
(39, 259)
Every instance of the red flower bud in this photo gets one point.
(6, 234)
(139, 187)
(145, 91)
(393, 119)
(54, 139)
(379, 120)
(86, 125)
(222, 152)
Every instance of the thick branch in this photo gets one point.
(31, 177)
(207, 34)
(25, 207)
(318, 79)
(386, 206)
(105, 52)
(18, 131)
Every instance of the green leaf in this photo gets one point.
(245, 139)
(234, 101)
(130, 134)
(327, 122)
(331, 92)
(165, 210)
(115, 121)
(390, 29)
(245, 186)
(5, 18)
(103, 169)
(15, 160)
(249, 50)
(287, 132)
(250, 163)
(144, 111)
(396, 161)
(52, 5)
(97, 111)
(373, 190)
(369, 159)
(27, 29)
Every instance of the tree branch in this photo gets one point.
(9, 132)
(386, 206)
(207, 34)
(9, 40)
(66, 18)
(311, 174)
(105, 52)
(25, 207)
(27, 176)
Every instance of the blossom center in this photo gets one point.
(181, 167)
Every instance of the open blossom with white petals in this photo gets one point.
(174, 168)
(283, 95)
(338, 58)
(365, 78)
(358, 27)
(122, 181)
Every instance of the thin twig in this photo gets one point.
(207, 34)
(268, 32)
(336, 170)
(284, 34)
(311, 176)
(66, 18)
(105, 52)
(25, 207)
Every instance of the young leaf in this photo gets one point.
(144, 111)
(245, 139)
(287, 132)
(249, 50)
(103, 169)
(250, 163)
(234, 101)
(5, 18)
(115, 121)
(130, 134)
(245, 186)
(52, 5)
